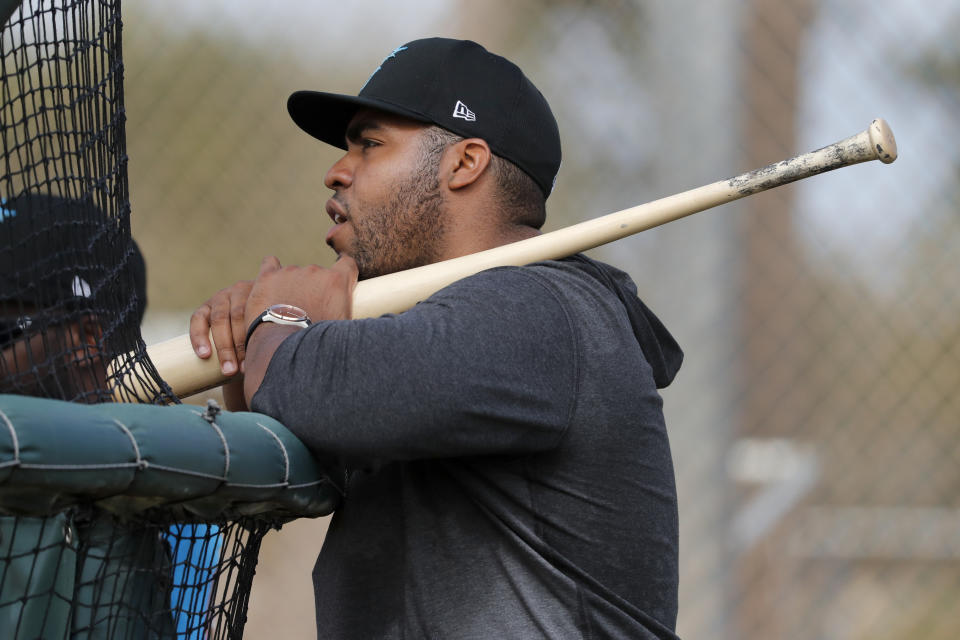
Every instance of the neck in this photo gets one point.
(474, 222)
(464, 240)
(517, 232)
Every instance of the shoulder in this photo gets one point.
(501, 283)
(504, 299)
(543, 278)
(531, 290)
(575, 280)
(570, 291)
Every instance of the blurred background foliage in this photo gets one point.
(815, 423)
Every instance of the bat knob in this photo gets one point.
(882, 141)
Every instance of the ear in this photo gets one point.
(470, 159)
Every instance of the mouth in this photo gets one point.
(336, 212)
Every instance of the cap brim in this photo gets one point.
(325, 116)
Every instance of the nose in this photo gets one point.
(339, 175)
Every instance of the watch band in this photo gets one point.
(286, 314)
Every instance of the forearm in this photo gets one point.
(233, 399)
(260, 349)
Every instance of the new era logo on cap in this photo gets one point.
(461, 111)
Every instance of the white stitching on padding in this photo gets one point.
(141, 463)
(223, 441)
(197, 474)
(13, 436)
(283, 450)
(79, 467)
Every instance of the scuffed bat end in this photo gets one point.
(882, 140)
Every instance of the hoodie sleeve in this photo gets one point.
(486, 366)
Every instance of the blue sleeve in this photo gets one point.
(488, 365)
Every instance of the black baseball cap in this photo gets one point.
(56, 251)
(457, 85)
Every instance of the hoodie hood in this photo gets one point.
(659, 347)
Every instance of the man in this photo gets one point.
(72, 296)
(509, 469)
(69, 279)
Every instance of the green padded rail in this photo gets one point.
(188, 462)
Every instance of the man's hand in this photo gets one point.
(222, 316)
(325, 294)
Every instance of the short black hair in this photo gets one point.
(520, 198)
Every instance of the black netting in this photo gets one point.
(72, 296)
(87, 574)
(72, 281)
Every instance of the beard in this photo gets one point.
(406, 231)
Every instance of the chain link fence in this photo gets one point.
(815, 423)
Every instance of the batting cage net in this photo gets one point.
(85, 573)
(72, 297)
(73, 288)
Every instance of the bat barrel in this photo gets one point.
(874, 143)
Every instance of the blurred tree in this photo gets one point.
(774, 290)
(219, 175)
(865, 377)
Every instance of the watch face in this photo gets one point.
(288, 312)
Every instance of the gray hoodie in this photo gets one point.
(509, 469)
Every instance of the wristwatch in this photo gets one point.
(280, 314)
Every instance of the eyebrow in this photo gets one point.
(358, 127)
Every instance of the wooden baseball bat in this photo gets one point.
(187, 374)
